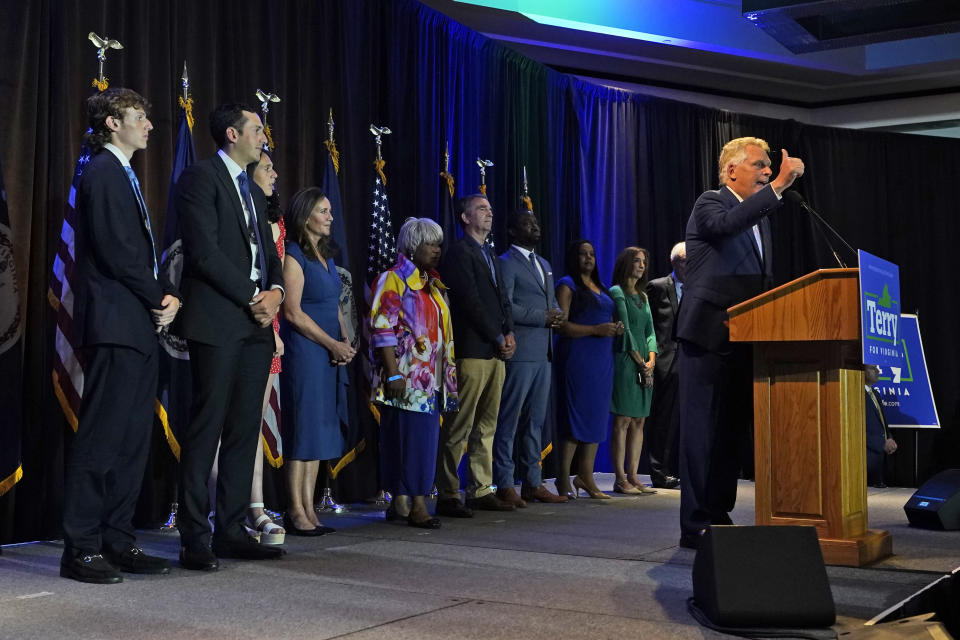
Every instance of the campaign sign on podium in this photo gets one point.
(880, 311)
(905, 390)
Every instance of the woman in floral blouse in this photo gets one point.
(414, 376)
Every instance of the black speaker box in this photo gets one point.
(936, 505)
(762, 577)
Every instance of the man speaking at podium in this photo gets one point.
(729, 260)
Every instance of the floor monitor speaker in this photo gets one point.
(936, 505)
(762, 577)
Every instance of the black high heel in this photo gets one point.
(570, 495)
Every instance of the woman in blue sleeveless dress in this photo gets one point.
(313, 384)
(584, 366)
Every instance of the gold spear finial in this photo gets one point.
(186, 102)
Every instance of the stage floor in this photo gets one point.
(588, 569)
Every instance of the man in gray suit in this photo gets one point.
(528, 281)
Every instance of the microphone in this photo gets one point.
(797, 198)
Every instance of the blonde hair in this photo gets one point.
(735, 151)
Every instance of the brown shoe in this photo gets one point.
(489, 502)
(542, 494)
(509, 495)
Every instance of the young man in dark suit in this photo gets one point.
(122, 302)
(483, 332)
(729, 247)
(232, 287)
(528, 281)
(660, 429)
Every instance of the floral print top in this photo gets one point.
(412, 315)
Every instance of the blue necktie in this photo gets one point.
(489, 259)
(146, 217)
(536, 267)
(245, 192)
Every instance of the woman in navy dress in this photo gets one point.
(313, 384)
(584, 366)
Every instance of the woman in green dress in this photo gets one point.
(634, 357)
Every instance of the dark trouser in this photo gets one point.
(712, 428)
(106, 464)
(228, 384)
(523, 410)
(408, 450)
(662, 429)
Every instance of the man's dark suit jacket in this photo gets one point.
(724, 266)
(662, 296)
(114, 285)
(216, 276)
(480, 309)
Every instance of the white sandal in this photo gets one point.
(265, 529)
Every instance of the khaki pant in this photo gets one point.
(480, 382)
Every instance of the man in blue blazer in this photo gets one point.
(528, 282)
(122, 301)
(232, 287)
(729, 259)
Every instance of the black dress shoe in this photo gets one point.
(91, 568)
(490, 502)
(669, 482)
(306, 533)
(134, 560)
(429, 523)
(452, 508)
(199, 559)
(248, 549)
(324, 529)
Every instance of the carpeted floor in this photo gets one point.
(589, 569)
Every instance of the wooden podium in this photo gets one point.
(809, 448)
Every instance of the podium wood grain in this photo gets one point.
(810, 452)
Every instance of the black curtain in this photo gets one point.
(618, 167)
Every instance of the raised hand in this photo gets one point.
(790, 169)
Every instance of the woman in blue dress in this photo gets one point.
(313, 384)
(584, 366)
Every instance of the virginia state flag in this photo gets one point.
(10, 356)
(353, 429)
(174, 391)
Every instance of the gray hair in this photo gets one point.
(416, 231)
(680, 247)
(735, 151)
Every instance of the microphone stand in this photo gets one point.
(796, 197)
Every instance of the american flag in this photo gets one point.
(382, 245)
(67, 365)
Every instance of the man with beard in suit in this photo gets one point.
(528, 280)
